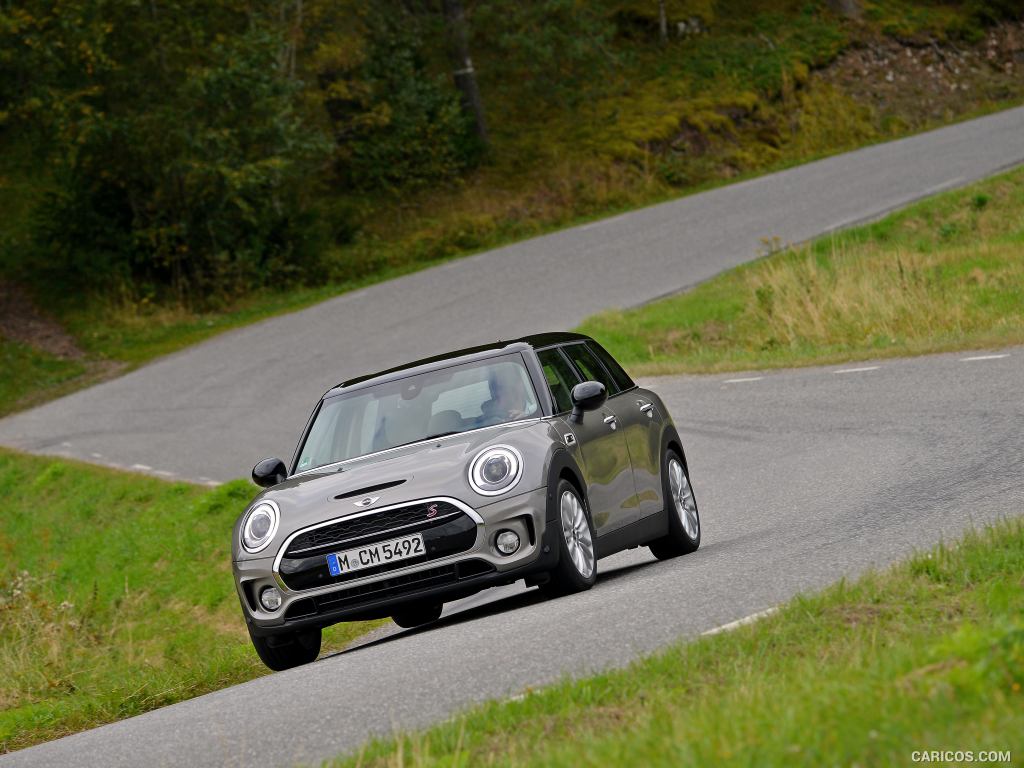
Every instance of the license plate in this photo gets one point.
(375, 554)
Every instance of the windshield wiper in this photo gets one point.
(439, 434)
(428, 437)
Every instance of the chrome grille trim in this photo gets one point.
(385, 532)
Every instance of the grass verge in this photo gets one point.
(29, 373)
(116, 597)
(926, 655)
(944, 274)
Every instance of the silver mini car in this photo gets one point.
(528, 459)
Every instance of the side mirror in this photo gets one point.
(269, 472)
(587, 396)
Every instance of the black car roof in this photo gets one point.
(533, 341)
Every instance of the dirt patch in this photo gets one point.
(23, 322)
(931, 80)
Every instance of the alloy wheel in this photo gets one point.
(682, 498)
(576, 531)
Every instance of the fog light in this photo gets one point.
(270, 598)
(507, 542)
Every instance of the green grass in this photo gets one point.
(926, 655)
(28, 371)
(116, 596)
(944, 274)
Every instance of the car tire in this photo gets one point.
(577, 554)
(681, 505)
(417, 615)
(281, 652)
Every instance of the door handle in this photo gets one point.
(610, 421)
(646, 407)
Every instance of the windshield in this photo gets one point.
(420, 407)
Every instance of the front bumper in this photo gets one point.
(441, 579)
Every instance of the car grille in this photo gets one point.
(363, 528)
(395, 586)
(446, 530)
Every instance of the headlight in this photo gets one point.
(495, 470)
(260, 526)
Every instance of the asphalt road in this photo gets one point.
(210, 412)
(802, 477)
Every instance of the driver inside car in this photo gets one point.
(510, 399)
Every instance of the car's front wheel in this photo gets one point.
(577, 557)
(683, 520)
(281, 652)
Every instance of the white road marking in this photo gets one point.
(983, 357)
(740, 622)
(749, 378)
(858, 370)
(142, 467)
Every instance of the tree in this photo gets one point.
(462, 66)
(178, 157)
(548, 51)
(397, 125)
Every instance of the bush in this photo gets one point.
(397, 126)
(175, 165)
(547, 50)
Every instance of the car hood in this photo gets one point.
(436, 468)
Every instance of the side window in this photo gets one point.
(617, 372)
(560, 376)
(589, 367)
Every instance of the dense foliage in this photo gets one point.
(172, 139)
(189, 151)
(402, 126)
(187, 145)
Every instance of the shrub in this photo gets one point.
(397, 126)
(175, 164)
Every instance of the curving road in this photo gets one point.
(209, 412)
(802, 476)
